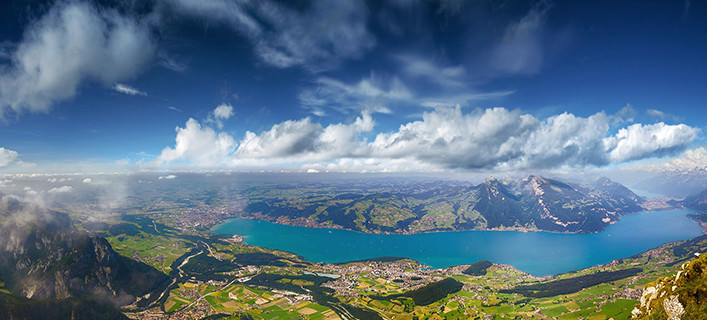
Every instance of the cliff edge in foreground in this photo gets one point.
(682, 296)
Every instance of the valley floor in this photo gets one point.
(221, 278)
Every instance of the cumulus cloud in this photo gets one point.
(639, 141)
(197, 145)
(167, 177)
(72, 43)
(87, 180)
(221, 112)
(62, 189)
(126, 89)
(496, 138)
(303, 139)
(493, 139)
(307, 140)
(316, 36)
(501, 139)
(7, 157)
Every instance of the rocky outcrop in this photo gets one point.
(683, 296)
(43, 256)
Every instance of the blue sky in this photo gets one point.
(349, 85)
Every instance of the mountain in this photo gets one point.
(616, 191)
(696, 202)
(44, 256)
(532, 203)
(555, 205)
(678, 183)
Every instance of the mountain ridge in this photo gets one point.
(533, 203)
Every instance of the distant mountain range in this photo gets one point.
(533, 203)
(674, 183)
(697, 202)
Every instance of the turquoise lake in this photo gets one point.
(538, 253)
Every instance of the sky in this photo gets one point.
(354, 86)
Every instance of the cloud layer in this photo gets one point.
(446, 138)
(74, 42)
(199, 146)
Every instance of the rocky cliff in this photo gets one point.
(43, 256)
(682, 296)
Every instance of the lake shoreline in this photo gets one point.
(539, 253)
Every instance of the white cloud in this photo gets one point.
(283, 139)
(62, 189)
(370, 94)
(306, 140)
(167, 177)
(221, 112)
(123, 88)
(659, 115)
(501, 139)
(316, 36)
(447, 77)
(376, 94)
(72, 43)
(626, 114)
(691, 159)
(655, 113)
(198, 146)
(87, 180)
(7, 157)
(638, 140)
(493, 139)
(520, 50)
(449, 138)
(302, 140)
